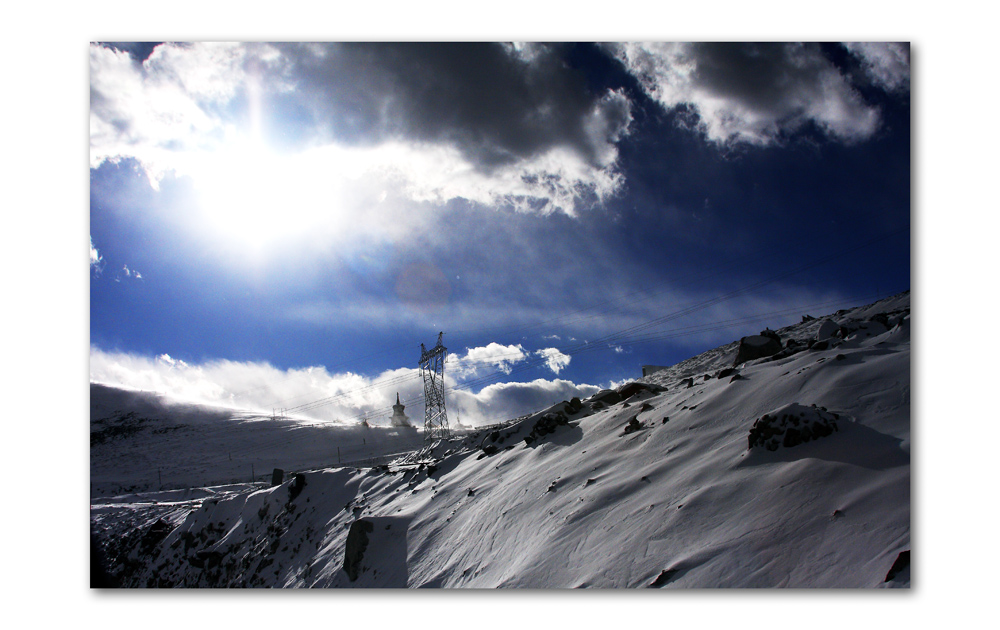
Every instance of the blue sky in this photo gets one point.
(276, 224)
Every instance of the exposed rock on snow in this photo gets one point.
(663, 578)
(790, 426)
(357, 543)
(628, 390)
(827, 329)
(756, 347)
(902, 563)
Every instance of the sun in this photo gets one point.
(254, 195)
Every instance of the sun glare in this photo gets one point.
(255, 196)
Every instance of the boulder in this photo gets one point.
(607, 397)
(756, 347)
(298, 483)
(827, 329)
(631, 389)
(790, 426)
(354, 549)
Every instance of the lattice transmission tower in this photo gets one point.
(432, 371)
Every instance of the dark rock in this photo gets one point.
(688, 382)
(663, 578)
(726, 372)
(574, 405)
(827, 329)
(632, 426)
(767, 332)
(631, 389)
(820, 345)
(840, 357)
(666, 419)
(881, 318)
(298, 483)
(472, 492)
(807, 318)
(756, 347)
(277, 477)
(902, 561)
(790, 427)
(357, 543)
(606, 396)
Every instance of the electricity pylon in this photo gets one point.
(432, 371)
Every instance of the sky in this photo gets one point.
(282, 225)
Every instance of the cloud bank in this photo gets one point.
(313, 393)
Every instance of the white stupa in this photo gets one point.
(399, 418)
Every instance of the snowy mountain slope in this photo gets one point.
(141, 442)
(661, 489)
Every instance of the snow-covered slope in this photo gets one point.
(142, 442)
(661, 488)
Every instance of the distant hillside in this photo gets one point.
(140, 441)
(787, 470)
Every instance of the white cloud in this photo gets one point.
(127, 273)
(96, 260)
(750, 93)
(503, 401)
(554, 359)
(491, 357)
(887, 64)
(258, 386)
(316, 394)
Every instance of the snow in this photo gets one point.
(660, 489)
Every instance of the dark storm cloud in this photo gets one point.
(754, 93)
(497, 104)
